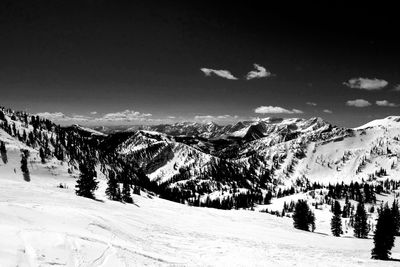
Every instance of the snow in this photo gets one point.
(12, 142)
(391, 121)
(341, 156)
(180, 160)
(43, 225)
(240, 133)
(333, 154)
(89, 130)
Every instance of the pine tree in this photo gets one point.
(24, 165)
(303, 217)
(3, 151)
(119, 194)
(384, 234)
(112, 186)
(360, 222)
(396, 216)
(126, 193)
(346, 208)
(336, 221)
(86, 183)
(42, 155)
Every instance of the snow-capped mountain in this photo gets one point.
(290, 150)
(205, 130)
(201, 159)
(252, 129)
(388, 122)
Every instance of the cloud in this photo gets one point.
(52, 115)
(224, 117)
(276, 110)
(204, 117)
(221, 73)
(385, 103)
(126, 115)
(397, 88)
(93, 112)
(215, 118)
(366, 84)
(61, 117)
(260, 72)
(327, 111)
(76, 117)
(311, 104)
(359, 103)
(297, 111)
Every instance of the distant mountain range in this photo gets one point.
(289, 150)
(191, 159)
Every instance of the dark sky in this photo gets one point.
(124, 60)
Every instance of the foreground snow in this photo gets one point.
(42, 225)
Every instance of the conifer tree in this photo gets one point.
(86, 183)
(24, 165)
(336, 221)
(112, 186)
(3, 151)
(346, 208)
(42, 155)
(303, 217)
(396, 216)
(360, 222)
(126, 193)
(384, 234)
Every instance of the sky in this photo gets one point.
(101, 62)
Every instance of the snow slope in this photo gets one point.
(291, 149)
(43, 225)
(388, 122)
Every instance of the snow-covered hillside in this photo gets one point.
(291, 149)
(44, 225)
(338, 155)
(160, 155)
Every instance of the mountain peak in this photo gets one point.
(388, 122)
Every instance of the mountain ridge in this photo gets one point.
(261, 156)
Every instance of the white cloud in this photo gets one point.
(215, 118)
(359, 103)
(276, 110)
(385, 103)
(311, 104)
(260, 72)
(221, 73)
(204, 117)
(122, 116)
(76, 117)
(366, 84)
(61, 117)
(297, 111)
(126, 115)
(52, 115)
(93, 112)
(222, 117)
(328, 111)
(397, 88)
